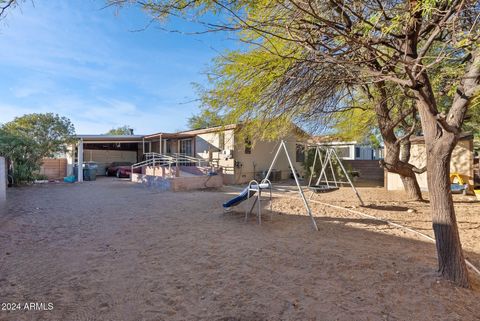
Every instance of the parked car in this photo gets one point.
(121, 169)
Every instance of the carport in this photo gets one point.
(105, 149)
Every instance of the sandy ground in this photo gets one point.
(112, 250)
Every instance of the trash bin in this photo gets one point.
(90, 171)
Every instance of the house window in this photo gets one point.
(300, 153)
(221, 141)
(186, 146)
(248, 146)
(357, 152)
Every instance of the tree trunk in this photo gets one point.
(396, 160)
(439, 145)
(451, 262)
(409, 179)
(411, 187)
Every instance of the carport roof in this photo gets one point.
(110, 138)
(128, 138)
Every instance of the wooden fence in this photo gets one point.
(54, 168)
(370, 172)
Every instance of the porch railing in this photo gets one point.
(169, 160)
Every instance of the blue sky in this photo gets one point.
(86, 63)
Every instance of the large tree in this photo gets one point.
(371, 45)
(28, 139)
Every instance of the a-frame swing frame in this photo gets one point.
(327, 162)
(283, 147)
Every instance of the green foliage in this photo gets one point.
(299, 57)
(240, 92)
(26, 140)
(356, 125)
(49, 132)
(122, 130)
(23, 152)
(205, 119)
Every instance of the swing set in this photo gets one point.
(324, 184)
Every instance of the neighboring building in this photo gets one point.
(462, 162)
(352, 150)
(360, 159)
(221, 145)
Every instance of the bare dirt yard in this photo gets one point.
(112, 250)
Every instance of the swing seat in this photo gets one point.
(323, 188)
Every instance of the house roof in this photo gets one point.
(181, 134)
(110, 138)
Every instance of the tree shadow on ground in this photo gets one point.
(366, 221)
(394, 208)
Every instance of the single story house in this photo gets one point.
(222, 146)
(461, 162)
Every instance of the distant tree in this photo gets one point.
(206, 118)
(26, 140)
(122, 130)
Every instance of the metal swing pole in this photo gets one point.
(324, 166)
(274, 160)
(298, 184)
(348, 178)
(317, 153)
(333, 172)
(323, 170)
(313, 167)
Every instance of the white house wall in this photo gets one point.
(209, 143)
(261, 157)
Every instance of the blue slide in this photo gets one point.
(243, 195)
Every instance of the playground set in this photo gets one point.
(325, 156)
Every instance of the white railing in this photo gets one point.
(169, 160)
